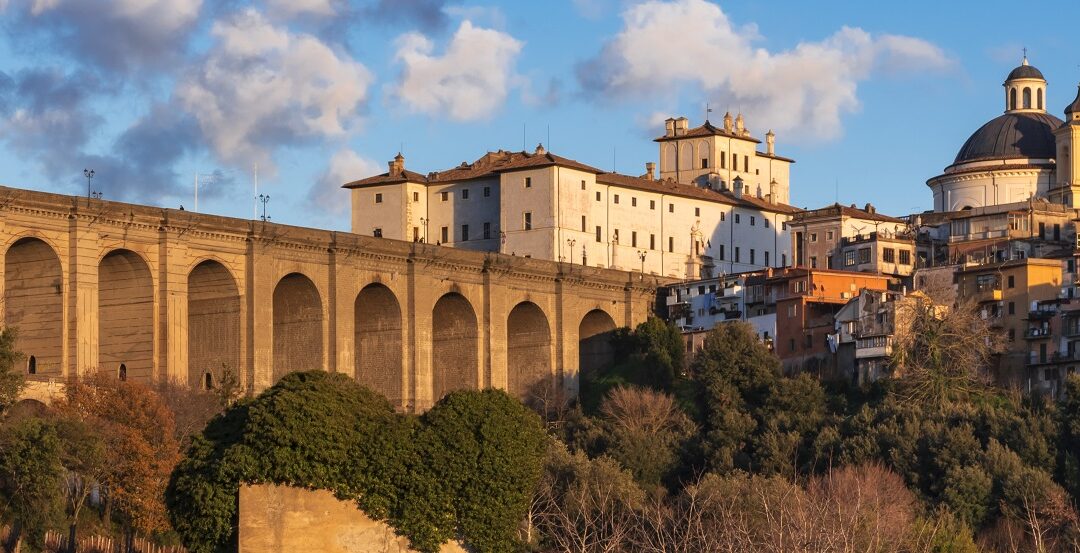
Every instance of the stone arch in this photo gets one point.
(595, 349)
(378, 342)
(703, 154)
(454, 339)
(1027, 97)
(34, 304)
(126, 315)
(297, 326)
(1012, 98)
(213, 323)
(1038, 97)
(686, 156)
(670, 153)
(528, 349)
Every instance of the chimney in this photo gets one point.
(740, 124)
(737, 187)
(770, 143)
(650, 170)
(397, 165)
(727, 121)
(869, 208)
(681, 125)
(772, 191)
(540, 149)
(669, 127)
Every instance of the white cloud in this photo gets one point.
(469, 81)
(117, 34)
(262, 86)
(292, 8)
(345, 166)
(802, 91)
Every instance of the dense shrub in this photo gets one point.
(463, 470)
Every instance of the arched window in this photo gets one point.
(1038, 96)
(31, 365)
(1012, 98)
(122, 373)
(1027, 98)
(208, 381)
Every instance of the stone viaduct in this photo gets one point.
(154, 294)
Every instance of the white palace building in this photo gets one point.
(718, 205)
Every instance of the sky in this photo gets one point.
(870, 98)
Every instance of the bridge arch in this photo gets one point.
(595, 349)
(125, 316)
(454, 345)
(34, 304)
(297, 326)
(378, 341)
(528, 349)
(213, 324)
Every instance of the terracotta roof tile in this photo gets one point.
(708, 129)
(689, 191)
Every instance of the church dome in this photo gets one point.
(1012, 135)
(1025, 71)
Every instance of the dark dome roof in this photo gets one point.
(1025, 72)
(1012, 135)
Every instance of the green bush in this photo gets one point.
(464, 470)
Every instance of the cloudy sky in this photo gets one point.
(871, 99)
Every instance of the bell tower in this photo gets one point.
(1025, 89)
(1067, 138)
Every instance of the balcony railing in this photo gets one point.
(1052, 357)
(1037, 333)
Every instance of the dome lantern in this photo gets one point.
(1025, 89)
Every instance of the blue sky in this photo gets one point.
(871, 99)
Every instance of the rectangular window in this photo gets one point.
(697, 212)
(464, 193)
(416, 234)
(583, 185)
(723, 159)
(751, 256)
(792, 310)
(671, 208)
(722, 216)
(766, 258)
(582, 223)
(378, 198)
(464, 233)
(766, 222)
(652, 241)
(734, 161)
(487, 191)
(527, 221)
(905, 257)
(1012, 308)
(746, 163)
(445, 234)
(599, 234)
(704, 163)
(377, 233)
(444, 196)
(416, 196)
(813, 262)
(721, 252)
(1012, 281)
(598, 195)
(736, 218)
(783, 260)
(829, 235)
(652, 204)
(849, 258)
(633, 239)
(736, 254)
(813, 237)
(633, 201)
(528, 182)
(616, 199)
(888, 255)
(864, 255)
(752, 220)
(671, 244)
(487, 231)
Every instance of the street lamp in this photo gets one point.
(641, 255)
(423, 223)
(263, 199)
(89, 174)
(570, 244)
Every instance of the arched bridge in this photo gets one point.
(152, 294)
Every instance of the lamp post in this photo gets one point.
(263, 199)
(89, 174)
(423, 223)
(570, 244)
(641, 255)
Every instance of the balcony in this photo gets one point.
(1053, 357)
(877, 346)
(986, 294)
(982, 235)
(1038, 333)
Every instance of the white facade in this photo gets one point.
(702, 304)
(540, 205)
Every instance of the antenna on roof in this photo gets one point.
(549, 137)
(708, 110)
(523, 137)
(836, 190)
(613, 159)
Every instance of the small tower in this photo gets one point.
(727, 121)
(770, 143)
(1067, 137)
(1025, 89)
